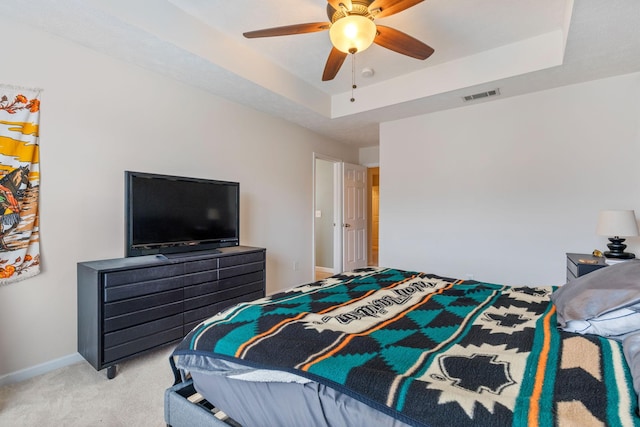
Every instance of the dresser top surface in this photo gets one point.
(150, 260)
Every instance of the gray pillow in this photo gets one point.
(598, 292)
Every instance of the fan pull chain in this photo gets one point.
(353, 75)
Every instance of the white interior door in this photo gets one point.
(354, 217)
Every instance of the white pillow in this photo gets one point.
(614, 324)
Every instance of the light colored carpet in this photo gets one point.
(79, 396)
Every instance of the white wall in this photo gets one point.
(501, 190)
(100, 117)
(369, 156)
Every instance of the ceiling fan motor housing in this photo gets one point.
(358, 7)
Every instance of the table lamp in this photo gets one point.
(617, 224)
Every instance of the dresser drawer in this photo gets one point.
(232, 282)
(194, 317)
(143, 288)
(137, 317)
(211, 287)
(122, 336)
(202, 277)
(142, 303)
(136, 275)
(240, 269)
(151, 341)
(241, 259)
(202, 265)
(222, 295)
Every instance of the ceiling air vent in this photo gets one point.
(481, 95)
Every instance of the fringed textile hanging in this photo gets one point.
(19, 183)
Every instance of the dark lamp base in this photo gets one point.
(617, 249)
(619, 255)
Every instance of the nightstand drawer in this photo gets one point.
(572, 268)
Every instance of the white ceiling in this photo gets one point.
(518, 46)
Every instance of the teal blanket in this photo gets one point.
(430, 351)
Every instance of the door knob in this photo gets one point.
(347, 225)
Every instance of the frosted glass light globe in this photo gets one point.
(353, 33)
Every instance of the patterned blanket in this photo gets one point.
(430, 351)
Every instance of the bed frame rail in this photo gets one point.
(185, 407)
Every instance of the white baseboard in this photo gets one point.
(324, 269)
(43, 368)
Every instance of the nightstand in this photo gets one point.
(581, 264)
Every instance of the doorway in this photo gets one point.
(327, 210)
(345, 216)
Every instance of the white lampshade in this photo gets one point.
(619, 223)
(353, 33)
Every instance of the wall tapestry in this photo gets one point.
(19, 183)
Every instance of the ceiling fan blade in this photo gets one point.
(336, 4)
(334, 62)
(289, 30)
(402, 43)
(391, 7)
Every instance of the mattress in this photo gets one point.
(287, 404)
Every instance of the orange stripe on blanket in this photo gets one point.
(375, 328)
(280, 324)
(534, 409)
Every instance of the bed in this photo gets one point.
(388, 347)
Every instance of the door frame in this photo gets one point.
(337, 214)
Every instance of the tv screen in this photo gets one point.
(172, 214)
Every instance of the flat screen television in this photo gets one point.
(174, 214)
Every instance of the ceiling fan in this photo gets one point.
(352, 29)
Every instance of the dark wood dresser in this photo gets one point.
(128, 306)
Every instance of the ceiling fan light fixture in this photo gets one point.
(353, 33)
